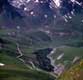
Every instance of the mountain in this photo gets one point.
(39, 39)
(59, 22)
(9, 9)
(33, 14)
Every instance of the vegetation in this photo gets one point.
(69, 55)
(74, 73)
(14, 69)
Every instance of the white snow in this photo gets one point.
(57, 2)
(60, 56)
(1, 64)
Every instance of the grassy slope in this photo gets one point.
(69, 54)
(22, 74)
(17, 69)
(74, 73)
(14, 69)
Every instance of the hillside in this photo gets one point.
(15, 69)
(41, 39)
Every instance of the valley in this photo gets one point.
(41, 39)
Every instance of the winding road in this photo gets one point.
(33, 66)
(20, 55)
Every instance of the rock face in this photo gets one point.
(44, 61)
(64, 6)
(9, 9)
(37, 13)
